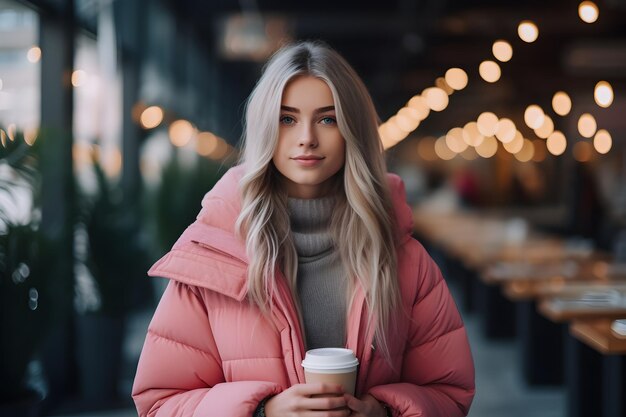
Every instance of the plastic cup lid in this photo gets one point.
(329, 359)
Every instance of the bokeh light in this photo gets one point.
(181, 132)
(489, 71)
(436, 98)
(502, 50)
(534, 116)
(527, 152)
(487, 123)
(455, 141)
(528, 31)
(442, 150)
(588, 11)
(587, 125)
(419, 104)
(488, 147)
(602, 141)
(603, 94)
(561, 103)
(546, 128)
(556, 143)
(207, 143)
(505, 130)
(515, 145)
(471, 134)
(34, 54)
(456, 78)
(151, 117)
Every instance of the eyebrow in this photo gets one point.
(295, 110)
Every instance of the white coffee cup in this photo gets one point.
(331, 365)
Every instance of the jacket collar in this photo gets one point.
(212, 237)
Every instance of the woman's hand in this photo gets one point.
(296, 401)
(367, 406)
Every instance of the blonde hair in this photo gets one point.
(362, 224)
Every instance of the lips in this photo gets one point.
(308, 157)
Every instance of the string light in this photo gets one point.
(78, 78)
(546, 128)
(556, 143)
(440, 82)
(455, 141)
(534, 116)
(436, 98)
(471, 134)
(442, 150)
(390, 133)
(181, 132)
(516, 144)
(456, 78)
(151, 117)
(207, 143)
(489, 71)
(502, 50)
(587, 125)
(34, 54)
(588, 11)
(411, 113)
(488, 147)
(561, 103)
(419, 103)
(603, 94)
(528, 31)
(505, 130)
(527, 152)
(487, 123)
(602, 141)
(405, 122)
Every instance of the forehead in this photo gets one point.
(306, 91)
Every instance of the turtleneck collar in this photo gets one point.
(310, 221)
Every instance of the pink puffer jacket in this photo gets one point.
(209, 353)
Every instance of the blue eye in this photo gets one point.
(287, 120)
(328, 120)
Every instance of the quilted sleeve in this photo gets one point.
(438, 369)
(179, 372)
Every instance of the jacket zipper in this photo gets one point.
(285, 301)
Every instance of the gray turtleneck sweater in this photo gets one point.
(322, 281)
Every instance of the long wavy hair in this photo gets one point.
(362, 224)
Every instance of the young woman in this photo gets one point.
(307, 243)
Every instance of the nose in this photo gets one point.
(307, 137)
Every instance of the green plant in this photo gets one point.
(23, 315)
(177, 199)
(117, 251)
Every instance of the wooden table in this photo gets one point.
(596, 363)
(598, 335)
(595, 385)
(541, 339)
(564, 305)
(596, 382)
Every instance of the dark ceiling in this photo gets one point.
(400, 47)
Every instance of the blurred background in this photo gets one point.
(506, 121)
